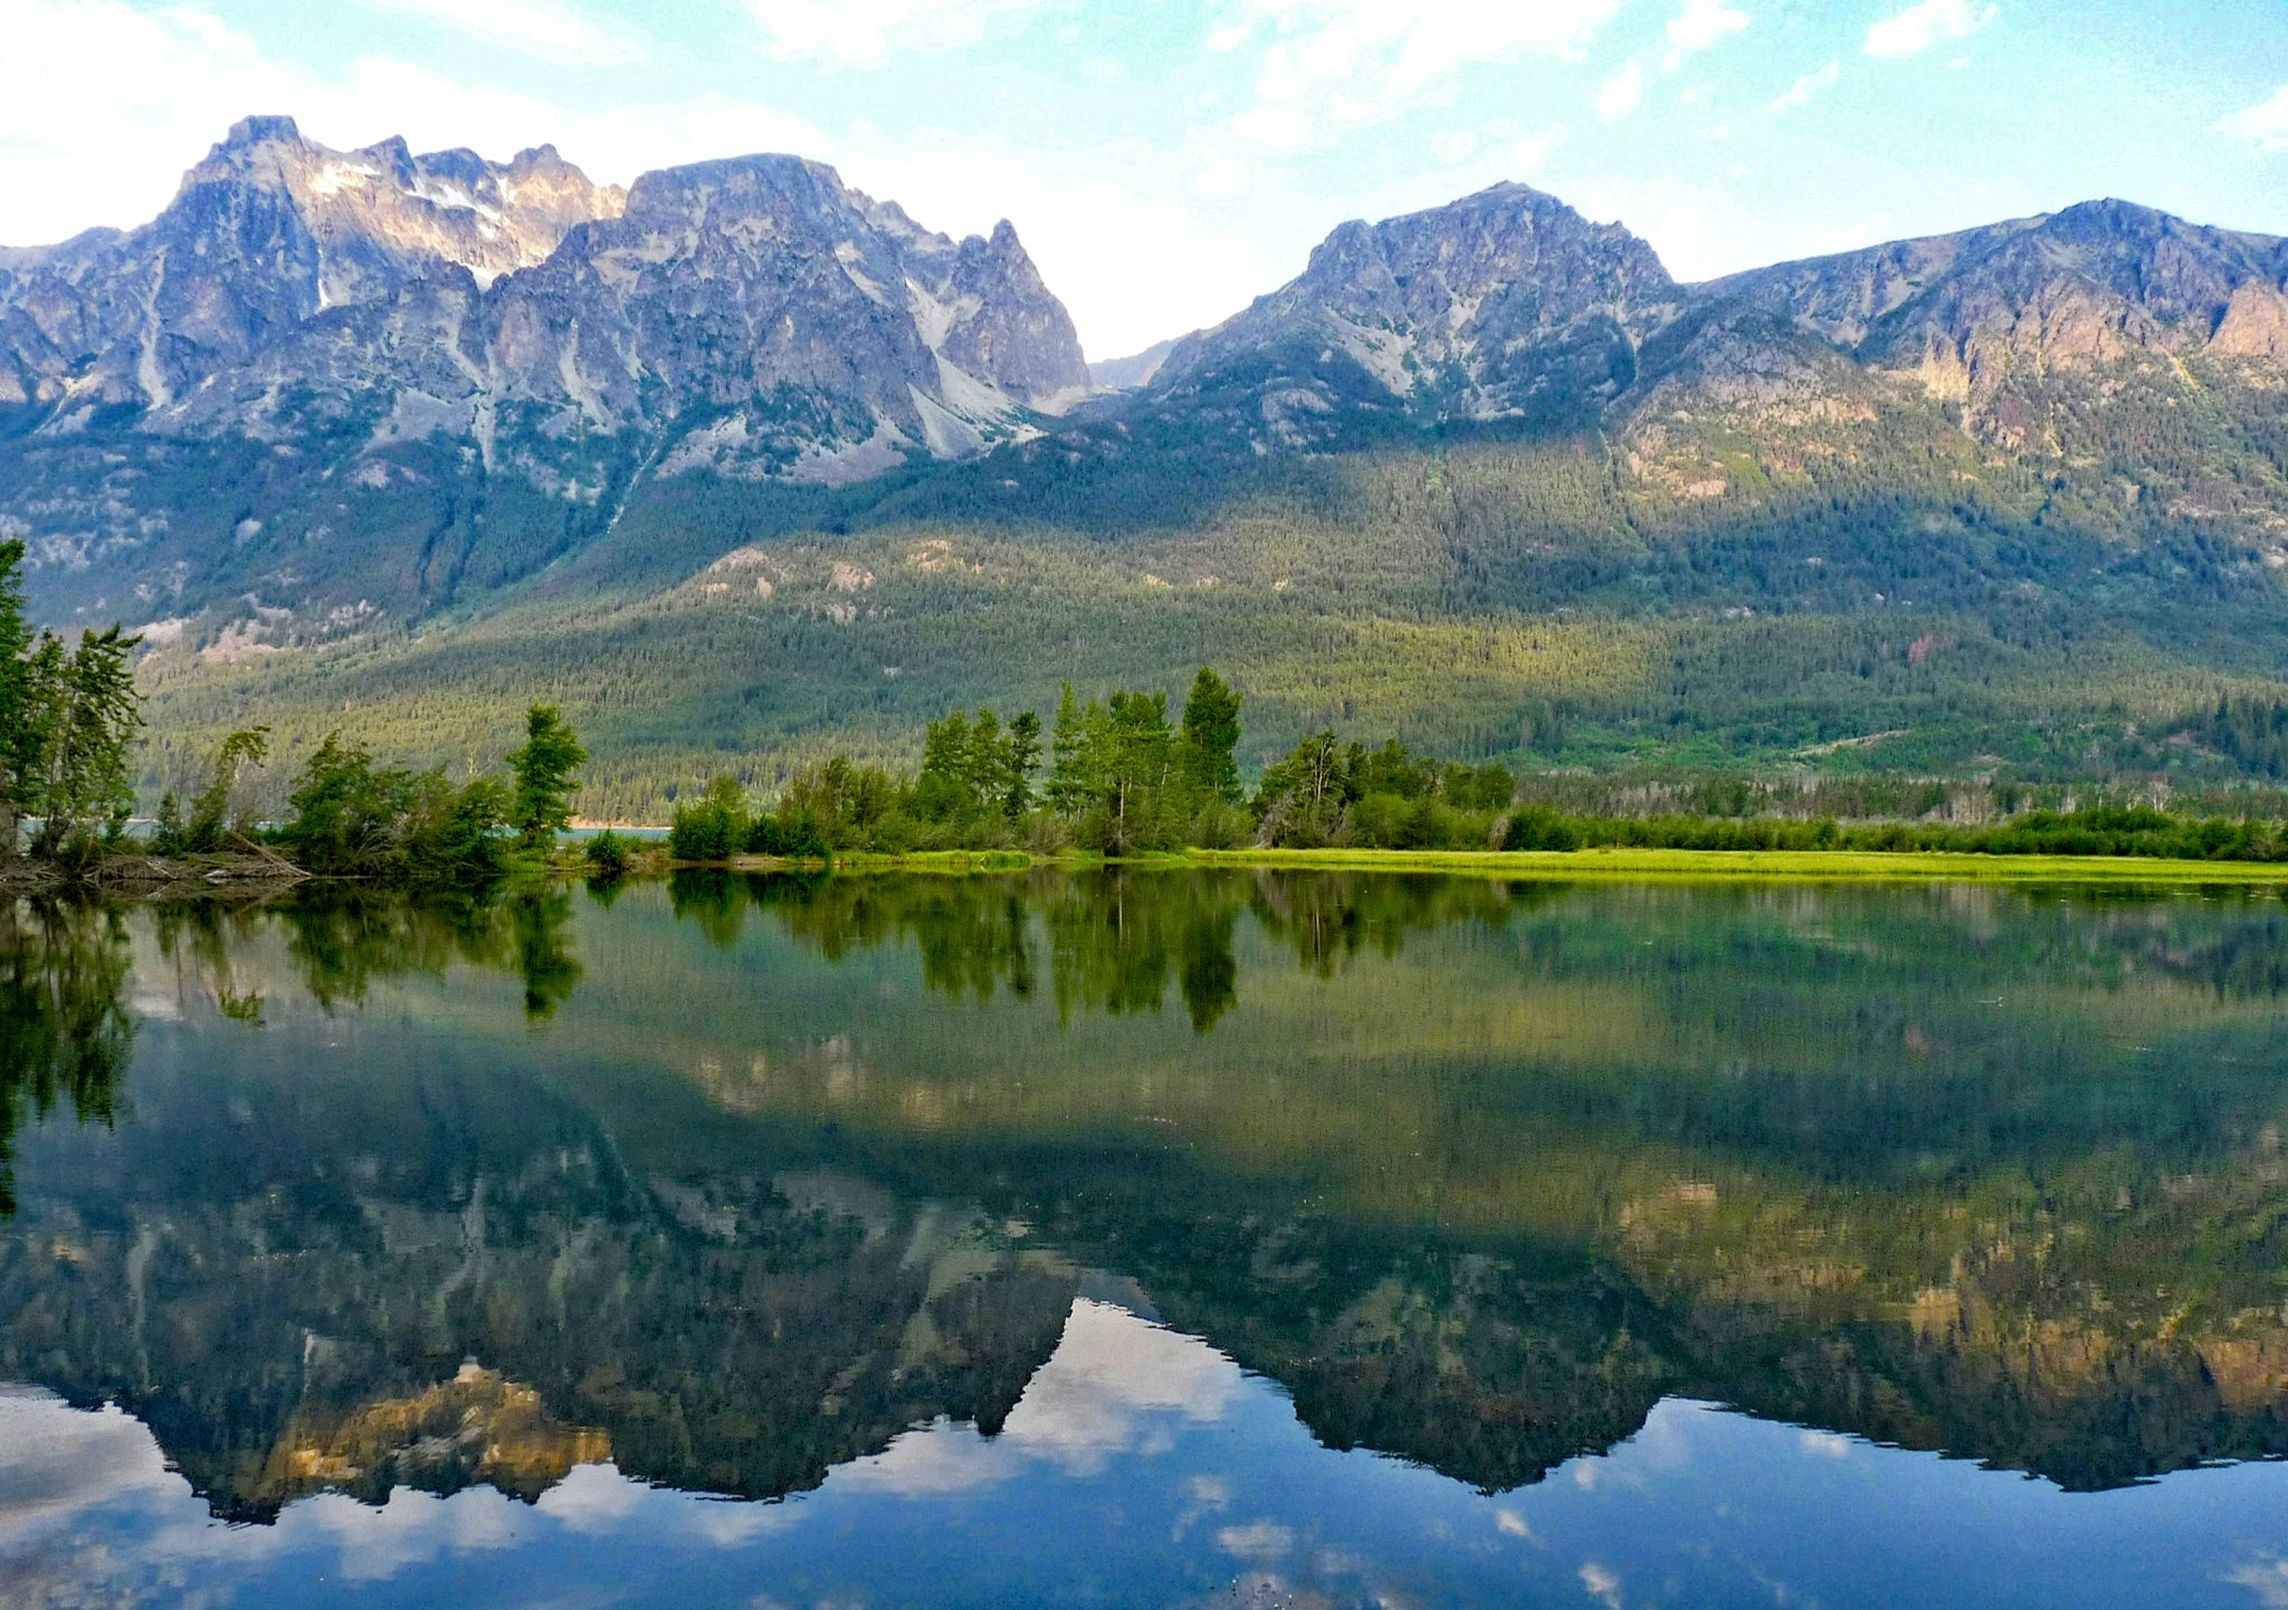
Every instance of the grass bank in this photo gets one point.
(1852, 865)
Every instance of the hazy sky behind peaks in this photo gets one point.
(1167, 160)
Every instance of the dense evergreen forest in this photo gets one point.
(1922, 614)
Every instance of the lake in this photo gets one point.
(1149, 1238)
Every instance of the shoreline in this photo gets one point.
(1806, 866)
(138, 877)
(1798, 866)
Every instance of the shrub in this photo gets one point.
(608, 854)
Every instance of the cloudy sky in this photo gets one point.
(1167, 159)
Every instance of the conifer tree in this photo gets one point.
(1023, 757)
(1211, 739)
(1071, 787)
(542, 804)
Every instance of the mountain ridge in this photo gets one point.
(1494, 429)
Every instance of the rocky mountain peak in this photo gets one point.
(753, 315)
(268, 230)
(1507, 304)
(2096, 284)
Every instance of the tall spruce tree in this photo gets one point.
(20, 739)
(541, 806)
(1072, 785)
(1023, 757)
(95, 715)
(1207, 755)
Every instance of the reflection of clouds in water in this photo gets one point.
(89, 1511)
(1261, 1543)
(1825, 1444)
(1112, 1386)
(1601, 1584)
(60, 1468)
(60, 1459)
(1116, 1384)
(594, 1499)
(2267, 1579)
(597, 1501)
(1662, 1446)
(412, 1528)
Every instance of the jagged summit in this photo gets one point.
(1504, 305)
(753, 315)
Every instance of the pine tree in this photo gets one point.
(1210, 739)
(96, 715)
(542, 805)
(1071, 787)
(18, 717)
(1024, 757)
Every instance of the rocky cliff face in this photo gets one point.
(2099, 283)
(358, 385)
(1506, 305)
(269, 231)
(1510, 306)
(343, 301)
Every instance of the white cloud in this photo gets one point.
(1701, 25)
(1919, 27)
(867, 33)
(1618, 96)
(1810, 84)
(546, 29)
(117, 85)
(1332, 65)
(2264, 125)
(1602, 1585)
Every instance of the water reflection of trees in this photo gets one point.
(1110, 943)
(341, 941)
(63, 1033)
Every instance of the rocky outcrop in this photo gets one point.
(269, 231)
(1506, 305)
(754, 315)
(2102, 283)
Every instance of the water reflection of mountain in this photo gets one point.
(432, 1197)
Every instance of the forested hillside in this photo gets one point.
(1523, 600)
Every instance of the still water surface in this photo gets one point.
(1153, 1239)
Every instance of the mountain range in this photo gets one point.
(330, 407)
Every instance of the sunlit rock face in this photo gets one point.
(2057, 334)
(269, 231)
(2098, 283)
(1504, 305)
(334, 303)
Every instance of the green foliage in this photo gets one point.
(713, 827)
(65, 1034)
(607, 854)
(1208, 754)
(2100, 830)
(67, 724)
(211, 816)
(541, 805)
(352, 819)
(975, 776)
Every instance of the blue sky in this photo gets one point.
(1165, 160)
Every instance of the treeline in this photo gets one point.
(2099, 830)
(1120, 777)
